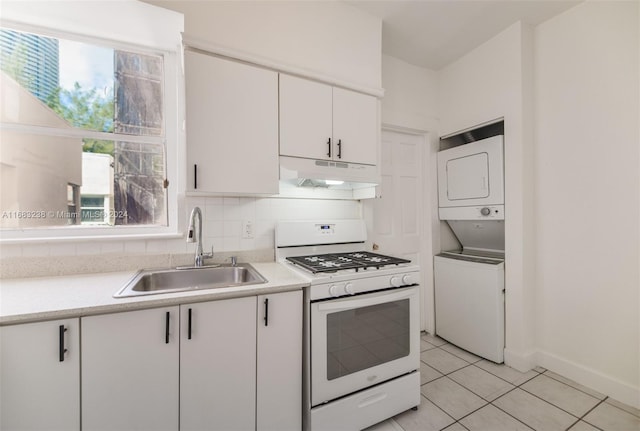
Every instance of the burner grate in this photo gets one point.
(332, 262)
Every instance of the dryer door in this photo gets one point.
(468, 177)
(471, 174)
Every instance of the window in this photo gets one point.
(87, 123)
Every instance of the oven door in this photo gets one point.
(359, 341)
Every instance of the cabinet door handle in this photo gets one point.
(61, 349)
(189, 325)
(195, 176)
(339, 148)
(266, 312)
(329, 148)
(166, 328)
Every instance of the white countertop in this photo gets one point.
(46, 298)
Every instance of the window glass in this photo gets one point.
(83, 133)
(365, 337)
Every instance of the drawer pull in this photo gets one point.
(372, 400)
(166, 328)
(61, 349)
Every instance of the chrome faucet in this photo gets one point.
(200, 256)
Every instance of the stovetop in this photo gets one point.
(333, 262)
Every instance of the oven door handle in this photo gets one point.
(364, 302)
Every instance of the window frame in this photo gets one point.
(170, 48)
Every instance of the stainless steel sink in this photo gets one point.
(151, 282)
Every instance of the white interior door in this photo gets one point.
(398, 214)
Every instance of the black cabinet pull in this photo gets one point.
(339, 148)
(189, 326)
(329, 148)
(195, 176)
(266, 312)
(61, 349)
(166, 328)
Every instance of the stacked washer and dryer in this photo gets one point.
(469, 281)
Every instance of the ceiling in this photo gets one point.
(434, 33)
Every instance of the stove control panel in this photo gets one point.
(363, 285)
(325, 229)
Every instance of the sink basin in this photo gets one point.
(151, 282)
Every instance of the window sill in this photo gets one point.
(87, 238)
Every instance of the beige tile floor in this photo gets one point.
(461, 391)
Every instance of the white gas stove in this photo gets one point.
(362, 335)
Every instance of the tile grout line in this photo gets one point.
(579, 418)
(506, 412)
(589, 411)
(518, 386)
(577, 389)
(487, 402)
(468, 389)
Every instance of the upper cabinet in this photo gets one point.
(231, 126)
(318, 121)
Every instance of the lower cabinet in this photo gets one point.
(279, 388)
(40, 376)
(218, 365)
(130, 370)
(232, 364)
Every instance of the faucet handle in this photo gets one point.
(234, 261)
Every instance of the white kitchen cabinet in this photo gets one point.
(319, 121)
(218, 365)
(231, 126)
(279, 387)
(40, 376)
(130, 370)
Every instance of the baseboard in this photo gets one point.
(610, 386)
(521, 362)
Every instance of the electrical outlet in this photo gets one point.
(247, 229)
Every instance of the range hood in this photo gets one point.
(327, 179)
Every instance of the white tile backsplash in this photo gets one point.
(222, 229)
(135, 246)
(112, 247)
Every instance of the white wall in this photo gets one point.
(494, 81)
(410, 95)
(568, 91)
(410, 105)
(587, 196)
(326, 37)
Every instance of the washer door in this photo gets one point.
(469, 300)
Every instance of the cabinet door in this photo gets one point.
(218, 365)
(232, 126)
(305, 118)
(279, 399)
(40, 376)
(356, 127)
(130, 370)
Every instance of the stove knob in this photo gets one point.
(348, 288)
(407, 279)
(485, 211)
(395, 281)
(333, 291)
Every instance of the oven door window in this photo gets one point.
(364, 337)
